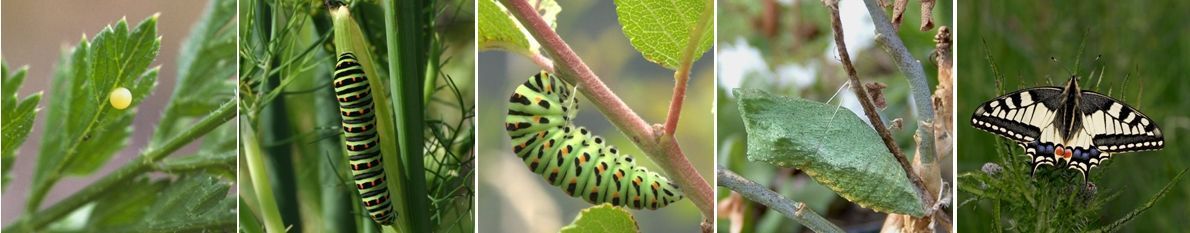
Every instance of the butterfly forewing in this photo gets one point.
(1020, 115)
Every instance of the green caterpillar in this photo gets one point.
(360, 137)
(569, 157)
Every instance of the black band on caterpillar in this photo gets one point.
(570, 157)
(361, 139)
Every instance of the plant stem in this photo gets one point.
(542, 61)
(408, 53)
(795, 210)
(261, 185)
(870, 109)
(662, 150)
(144, 163)
(682, 76)
(396, 85)
(184, 165)
(919, 88)
(1115, 226)
(675, 103)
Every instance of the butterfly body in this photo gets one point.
(1068, 126)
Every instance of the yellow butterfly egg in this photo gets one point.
(120, 98)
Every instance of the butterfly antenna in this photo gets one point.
(1059, 63)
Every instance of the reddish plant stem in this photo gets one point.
(682, 74)
(663, 150)
(542, 61)
(675, 103)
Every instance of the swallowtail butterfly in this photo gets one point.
(570, 157)
(1067, 125)
(361, 139)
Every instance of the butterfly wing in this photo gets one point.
(1111, 127)
(1103, 126)
(1116, 127)
(1019, 115)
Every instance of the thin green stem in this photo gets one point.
(258, 175)
(183, 165)
(143, 163)
(1115, 226)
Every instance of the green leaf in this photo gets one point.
(206, 65)
(129, 206)
(220, 141)
(192, 202)
(84, 130)
(17, 114)
(659, 30)
(830, 144)
(500, 30)
(602, 218)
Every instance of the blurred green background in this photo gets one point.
(787, 48)
(513, 199)
(1146, 41)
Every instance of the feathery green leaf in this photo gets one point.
(18, 115)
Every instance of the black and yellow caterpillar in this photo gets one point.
(539, 121)
(361, 139)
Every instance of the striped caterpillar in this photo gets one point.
(360, 137)
(539, 121)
